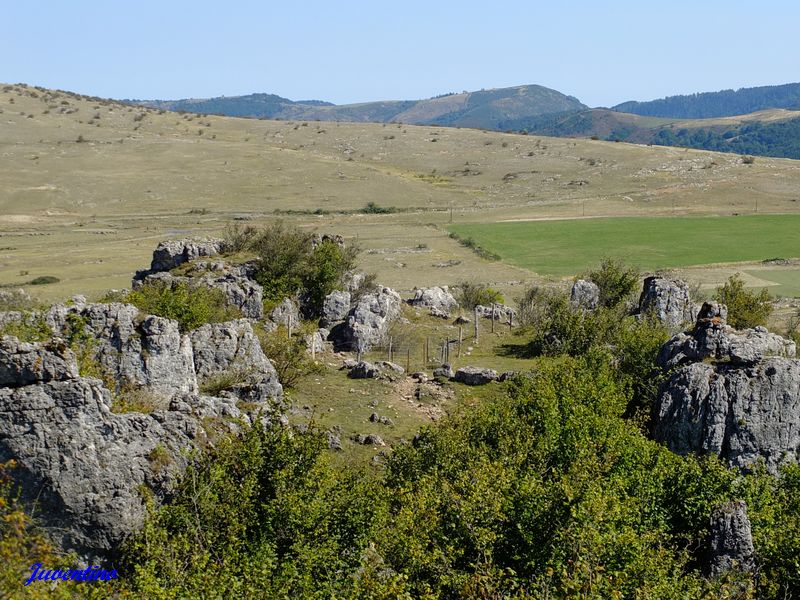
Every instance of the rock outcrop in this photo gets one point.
(133, 349)
(364, 370)
(733, 394)
(83, 465)
(669, 301)
(24, 364)
(173, 253)
(335, 308)
(585, 294)
(475, 376)
(437, 299)
(731, 542)
(232, 348)
(368, 321)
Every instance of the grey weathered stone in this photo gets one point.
(475, 375)
(172, 253)
(285, 311)
(669, 301)
(438, 299)
(24, 364)
(390, 366)
(713, 339)
(364, 370)
(370, 439)
(501, 312)
(133, 349)
(444, 372)
(232, 346)
(584, 294)
(742, 414)
(368, 322)
(335, 308)
(82, 465)
(734, 394)
(334, 441)
(731, 542)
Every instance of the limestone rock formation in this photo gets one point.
(335, 308)
(475, 375)
(368, 322)
(728, 396)
(133, 349)
(233, 348)
(438, 299)
(83, 465)
(172, 253)
(285, 311)
(364, 370)
(731, 546)
(669, 301)
(23, 364)
(584, 294)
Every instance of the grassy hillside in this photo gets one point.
(90, 186)
(483, 109)
(718, 104)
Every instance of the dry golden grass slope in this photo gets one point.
(88, 187)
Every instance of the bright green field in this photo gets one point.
(567, 247)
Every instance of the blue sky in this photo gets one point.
(601, 52)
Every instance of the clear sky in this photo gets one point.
(601, 52)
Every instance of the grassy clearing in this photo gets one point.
(566, 247)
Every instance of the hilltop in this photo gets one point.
(481, 109)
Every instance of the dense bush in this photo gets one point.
(289, 356)
(471, 295)
(190, 305)
(745, 309)
(291, 265)
(616, 281)
(543, 492)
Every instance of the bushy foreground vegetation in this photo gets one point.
(545, 492)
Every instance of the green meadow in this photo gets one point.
(566, 247)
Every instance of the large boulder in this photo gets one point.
(713, 339)
(233, 348)
(133, 349)
(475, 375)
(24, 364)
(585, 294)
(368, 322)
(285, 311)
(731, 541)
(732, 394)
(82, 465)
(173, 253)
(437, 299)
(335, 308)
(364, 370)
(669, 301)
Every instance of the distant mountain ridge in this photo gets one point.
(725, 103)
(481, 109)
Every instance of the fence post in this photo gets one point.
(288, 327)
(493, 307)
(460, 339)
(476, 323)
(408, 360)
(390, 348)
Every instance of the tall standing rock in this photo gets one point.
(734, 394)
(731, 543)
(368, 322)
(669, 301)
(584, 294)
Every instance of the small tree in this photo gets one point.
(745, 309)
(474, 294)
(615, 280)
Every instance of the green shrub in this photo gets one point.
(31, 327)
(191, 305)
(471, 295)
(374, 209)
(745, 309)
(289, 356)
(616, 281)
(44, 280)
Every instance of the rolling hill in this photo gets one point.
(483, 109)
